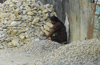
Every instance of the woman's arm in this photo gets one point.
(50, 33)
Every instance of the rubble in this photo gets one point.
(38, 47)
(24, 19)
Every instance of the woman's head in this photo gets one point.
(54, 19)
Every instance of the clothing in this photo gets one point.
(60, 34)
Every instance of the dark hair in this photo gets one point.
(55, 19)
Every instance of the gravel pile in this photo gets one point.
(46, 52)
(75, 53)
(38, 48)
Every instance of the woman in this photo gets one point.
(58, 31)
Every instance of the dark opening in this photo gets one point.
(93, 1)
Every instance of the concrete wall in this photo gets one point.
(78, 10)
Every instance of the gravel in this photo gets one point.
(86, 52)
(46, 52)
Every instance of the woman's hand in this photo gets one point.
(50, 33)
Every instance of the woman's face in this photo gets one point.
(52, 22)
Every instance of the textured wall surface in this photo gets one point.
(78, 10)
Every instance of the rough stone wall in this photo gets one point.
(78, 10)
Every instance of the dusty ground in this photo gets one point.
(28, 54)
(14, 58)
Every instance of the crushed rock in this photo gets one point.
(46, 52)
(38, 48)
(75, 53)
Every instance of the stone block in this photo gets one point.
(46, 27)
(15, 42)
(30, 13)
(2, 15)
(49, 24)
(35, 20)
(10, 45)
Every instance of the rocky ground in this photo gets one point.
(46, 52)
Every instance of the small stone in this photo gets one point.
(22, 35)
(35, 20)
(30, 13)
(10, 45)
(46, 27)
(15, 42)
(21, 43)
(49, 24)
(16, 14)
(14, 23)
